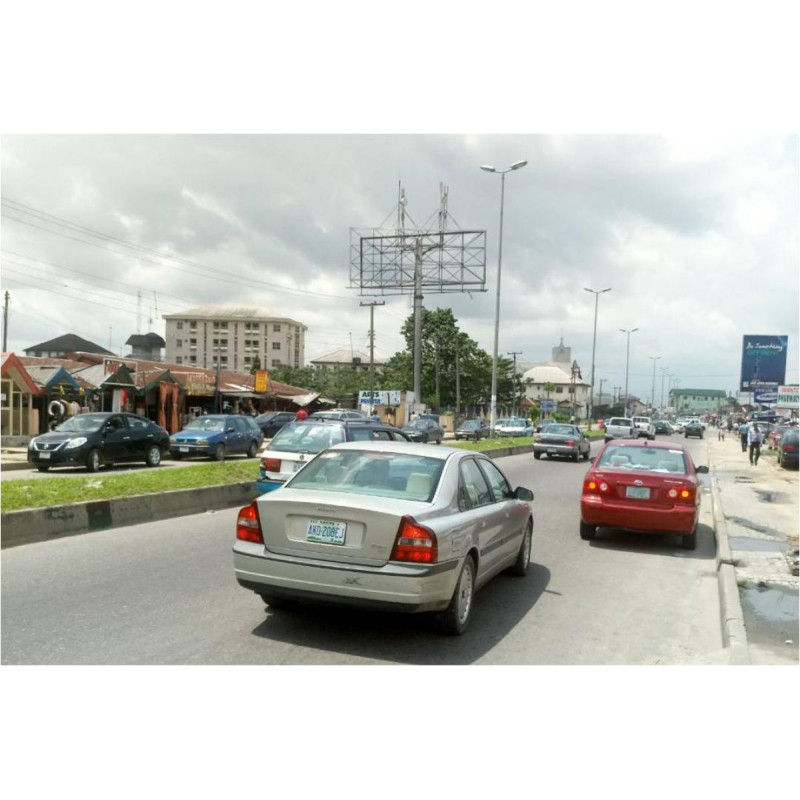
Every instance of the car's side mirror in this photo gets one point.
(521, 493)
(701, 470)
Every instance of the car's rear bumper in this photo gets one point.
(613, 515)
(392, 587)
(556, 449)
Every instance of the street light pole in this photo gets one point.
(627, 364)
(493, 407)
(594, 342)
(653, 390)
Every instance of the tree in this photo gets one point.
(256, 365)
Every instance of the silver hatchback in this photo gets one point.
(387, 526)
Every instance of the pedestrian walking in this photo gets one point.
(754, 439)
(721, 433)
(743, 430)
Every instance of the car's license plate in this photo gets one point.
(183, 449)
(637, 492)
(326, 532)
(45, 456)
(298, 465)
(551, 450)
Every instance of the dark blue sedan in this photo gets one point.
(217, 435)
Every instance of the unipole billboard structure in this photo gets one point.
(417, 261)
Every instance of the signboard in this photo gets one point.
(261, 380)
(787, 397)
(765, 396)
(763, 362)
(382, 398)
(547, 405)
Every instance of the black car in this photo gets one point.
(424, 430)
(787, 448)
(272, 421)
(662, 426)
(474, 429)
(693, 428)
(559, 439)
(100, 438)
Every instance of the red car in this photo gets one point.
(639, 486)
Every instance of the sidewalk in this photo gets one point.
(756, 521)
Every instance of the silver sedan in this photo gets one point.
(389, 526)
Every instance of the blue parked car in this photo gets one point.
(217, 435)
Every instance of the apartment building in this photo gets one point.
(235, 336)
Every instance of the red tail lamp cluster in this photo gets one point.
(414, 543)
(248, 525)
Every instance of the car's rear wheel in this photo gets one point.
(43, 467)
(588, 532)
(93, 460)
(574, 457)
(153, 457)
(520, 567)
(252, 451)
(219, 452)
(278, 603)
(536, 455)
(455, 618)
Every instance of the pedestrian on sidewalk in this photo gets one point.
(743, 431)
(754, 439)
(721, 433)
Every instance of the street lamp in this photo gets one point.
(594, 342)
(653, 390)
(663, 373)
(576, 373)
(627, 364)
(493, 406)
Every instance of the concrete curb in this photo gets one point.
(734, 634)
(54, 522)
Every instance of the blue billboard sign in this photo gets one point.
(763, 362)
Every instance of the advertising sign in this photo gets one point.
(787, 397)
(763, 362)
(547, 405)
(261, 381)
(382, 398)
(765, 396)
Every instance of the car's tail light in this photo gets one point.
(570, 442)
(415, 543)
(248, 525)
(594, 486)
(683, 494)
(271, 464)
(789, 448)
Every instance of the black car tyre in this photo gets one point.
(43, 467)
(455, 618)
(520, 568)
(219, 453)
(93, 460)
(587, 455)
(575, 457)
(153, 457)
(252, 451)
(536, 455)
(278, 603)
(588, 532)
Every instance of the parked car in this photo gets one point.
(620, 428)
(339, 413)
(693, 428)
(424, 430)
(216, 436)
(663, 427)
(561, 440)
(386, 526)
(272, 421)
(787, 448)
(297, 443)
(514, 426)
(91, 440)
(474, 429)
(642, 486)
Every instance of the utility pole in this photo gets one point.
(600, 393)
(372, 349)
(5, 323)
(514, 354)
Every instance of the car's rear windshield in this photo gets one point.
(566, 430)
(651, 459)
(306, 437)
(623, 421)
(396, 475)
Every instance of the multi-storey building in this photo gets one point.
(234, 336)
(697, 401)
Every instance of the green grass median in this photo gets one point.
(109, 485)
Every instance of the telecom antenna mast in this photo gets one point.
(401, 261)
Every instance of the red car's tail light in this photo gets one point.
(593, 486)
(248, 525)
(415, 543)
(271, 464)
(683, 494)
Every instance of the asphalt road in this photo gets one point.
(164, 593)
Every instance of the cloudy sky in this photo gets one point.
(697, 236)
